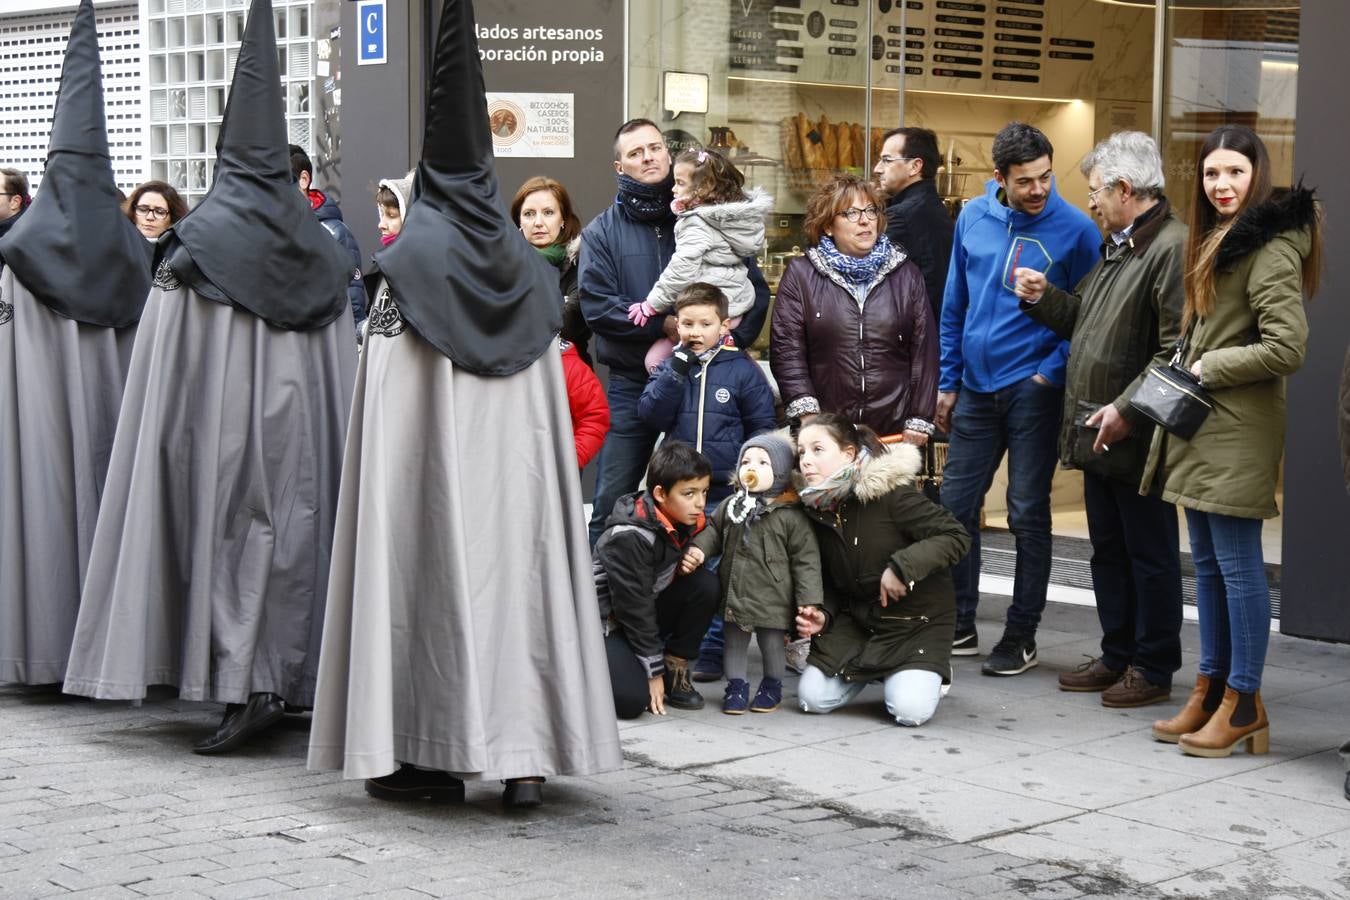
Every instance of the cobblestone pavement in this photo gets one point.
(1014, 790)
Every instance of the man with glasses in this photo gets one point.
(916, 219)
(13, 200)
(1001, 385)
(1121, 317)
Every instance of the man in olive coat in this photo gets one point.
(1124, 314)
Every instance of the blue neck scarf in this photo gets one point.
(851, 268)
(646, 202)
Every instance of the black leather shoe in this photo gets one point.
(241, 722)
(1347, 785)
(412, 783)
(521, 793)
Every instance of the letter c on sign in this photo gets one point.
(371, 19)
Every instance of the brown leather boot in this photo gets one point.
(1241, 717)
(1202, 703)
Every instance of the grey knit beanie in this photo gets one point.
(402, 188)
(782, 456)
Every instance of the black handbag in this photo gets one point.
(1174, 398)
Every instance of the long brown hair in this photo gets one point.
(1207, 229)
(571, 225)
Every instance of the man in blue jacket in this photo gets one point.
(623, 252)
(1001, 385)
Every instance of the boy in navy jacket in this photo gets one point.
(708, 394)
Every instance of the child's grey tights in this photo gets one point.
(737, 642)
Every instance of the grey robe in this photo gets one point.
(210, 561)
(462, 632)
(60, 389)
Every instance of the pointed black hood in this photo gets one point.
(463, 275)
(74, 248)
(254, 238)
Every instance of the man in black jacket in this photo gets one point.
(916, 218)
(623, 251)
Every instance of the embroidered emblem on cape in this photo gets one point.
(165, 278)
(385, 319)
(6, 312)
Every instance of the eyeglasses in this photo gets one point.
(853, 214)
(151, 212)
(1092, 195)
(886, 159)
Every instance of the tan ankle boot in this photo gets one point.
(1202, 703)
(1241, 717)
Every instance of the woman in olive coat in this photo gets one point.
(886, 552)
(1250, 258)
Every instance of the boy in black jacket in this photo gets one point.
(655, 605)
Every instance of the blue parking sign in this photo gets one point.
(371, 45)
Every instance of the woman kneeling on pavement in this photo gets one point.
(886, 551)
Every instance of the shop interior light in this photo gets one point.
(891, 90)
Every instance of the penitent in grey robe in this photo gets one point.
(210, 561)
(60, 389)
(462, 630)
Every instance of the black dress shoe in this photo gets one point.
(241, 722)
(412, 783)
(1347, 785)
(521, 793)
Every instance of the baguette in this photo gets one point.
(844, 136)
(829, 144)
(859, 143)
(792, 145)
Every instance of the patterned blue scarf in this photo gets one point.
(646, 202)
(851, 268)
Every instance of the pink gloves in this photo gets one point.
(639, 313)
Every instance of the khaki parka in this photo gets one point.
(767, 570)
(887, 522)
(1122, 317)
(1256, 337)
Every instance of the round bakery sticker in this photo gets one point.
(507, 121)
(723, 395)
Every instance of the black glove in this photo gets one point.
(681, 359)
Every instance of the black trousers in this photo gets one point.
(1136, 575)
(683, 612)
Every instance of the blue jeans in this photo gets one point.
(912, 695)
(627, 450)
(1232, 596)
(1136, 576)
(1023, 420)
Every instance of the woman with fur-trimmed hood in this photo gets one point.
(886, 552)
(1251, 256)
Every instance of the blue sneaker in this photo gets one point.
(737, 697)
(768, 696)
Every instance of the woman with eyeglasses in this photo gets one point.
(153, 207)
(852, 330)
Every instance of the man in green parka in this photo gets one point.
(1124, 314)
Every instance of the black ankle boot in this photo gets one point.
(241, 722)
(523, 793)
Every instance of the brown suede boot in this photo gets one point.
(1202, 703)
(1241, 717)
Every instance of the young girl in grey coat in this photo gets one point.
(717, 226)
(770, 567)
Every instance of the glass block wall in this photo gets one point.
(191, 50)
(32, 45)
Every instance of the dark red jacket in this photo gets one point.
(877, 364)
(586, 400)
